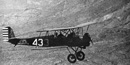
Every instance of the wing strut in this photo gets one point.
(87, 27)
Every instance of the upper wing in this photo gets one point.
(78, 26)
(85, 24)
(55, 29)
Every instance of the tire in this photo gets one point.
(80, 55)
(71, 58)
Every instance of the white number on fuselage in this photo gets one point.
(36, 42)
(41, 42)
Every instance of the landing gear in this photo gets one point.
(71, 58)
(78, 54)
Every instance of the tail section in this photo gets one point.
(8, 33)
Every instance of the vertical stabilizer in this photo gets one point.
(8, 33)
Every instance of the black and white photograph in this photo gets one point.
(64, 32)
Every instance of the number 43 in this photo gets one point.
(35, 42)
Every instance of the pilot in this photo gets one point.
(71, 35)
(71, 38)
(55, 35)
(60, 35)
(61, 38)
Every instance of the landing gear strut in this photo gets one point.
(77, 55)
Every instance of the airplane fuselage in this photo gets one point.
(48, 41)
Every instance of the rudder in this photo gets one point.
(8, 33)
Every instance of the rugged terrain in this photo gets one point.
(111, 33)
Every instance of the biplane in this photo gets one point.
(71, 37)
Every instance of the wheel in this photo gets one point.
(71, 58)
(80, 55)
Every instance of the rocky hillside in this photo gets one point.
(111, 33)
(31, 15)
